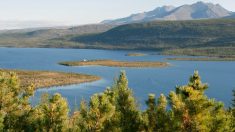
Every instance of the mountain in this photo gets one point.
(199, 10)
(165, 35)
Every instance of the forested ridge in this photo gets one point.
(165, 35)
(187, 109)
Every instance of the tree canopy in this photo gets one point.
(187, 109)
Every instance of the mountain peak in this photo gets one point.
(198, 10)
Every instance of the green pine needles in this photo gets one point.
(187, 109)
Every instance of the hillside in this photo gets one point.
(41, 37)
(198, 10)
(165, 34)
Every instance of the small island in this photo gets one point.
(136, 54)
(113, 63)
(44, 79)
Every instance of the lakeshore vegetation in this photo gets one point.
(187, 109)
(43, 79)
(113, 63)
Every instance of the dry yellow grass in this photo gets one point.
(42, 79)
(136, 54)
(113, 63)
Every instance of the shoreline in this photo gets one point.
(202, 59)
(47, 79)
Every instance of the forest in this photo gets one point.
(187, 109)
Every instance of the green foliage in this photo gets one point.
(157, 116)
(96, 117)
(14, 102)
(187, 109)
(126, 107)
(193, 111)
(55, 113)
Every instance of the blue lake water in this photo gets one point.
(219, 75)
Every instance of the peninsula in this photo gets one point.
(44, 79)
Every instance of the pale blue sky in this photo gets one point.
(85, 11)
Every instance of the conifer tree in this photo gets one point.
(37, 118)
(193, 111)
(55, 113)
(79, 120)
(151, 114)
(114, 110)
(14, 102)
(162, 115)
(129, 118)
(97, 115)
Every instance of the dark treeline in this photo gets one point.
(187, 109)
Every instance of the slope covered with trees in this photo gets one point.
(166, 35)
(187, 109)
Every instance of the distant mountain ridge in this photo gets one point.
(199, 10)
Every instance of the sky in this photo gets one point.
(79, 12)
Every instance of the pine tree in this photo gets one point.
(193, 111)
(36, 119)
(97, 116)
(14, 102)
(80, 120)
(162, 115)
(151, 114)
(55, 113)
(126, 108)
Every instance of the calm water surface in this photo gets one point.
(219, 75)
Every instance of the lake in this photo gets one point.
(219, 75)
